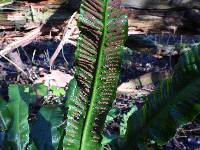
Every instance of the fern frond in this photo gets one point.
(103, 32)
(174, 103)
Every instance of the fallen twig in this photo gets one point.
(27, 39)
(68, 32)
(16, 66)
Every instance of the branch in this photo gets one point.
(65, 39)
(27, 39)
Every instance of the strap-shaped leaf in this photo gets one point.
(173, 104)
(103, 32)
(14, 119)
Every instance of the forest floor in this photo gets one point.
(136, 65)
(147, 60)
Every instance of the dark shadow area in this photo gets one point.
(152, 53)
(40, 132)
(48, 46)
(57, 19)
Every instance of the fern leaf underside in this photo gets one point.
(103, 33)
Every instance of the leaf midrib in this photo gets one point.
(97, 74)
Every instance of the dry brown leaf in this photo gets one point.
(55, 78)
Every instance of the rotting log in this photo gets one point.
(23, 41)
(141, 81)
(145, 16)
(163, 16)
(24, 15)
(175, 21)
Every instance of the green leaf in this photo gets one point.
(124, 122)
(27, 90)
(38, 90)
(14, 119)
(98, 57)
(174, 103)
(107, 139)
(112, 114)
(54, 88)
(46, 130)
(58, 91)
(62, 91)
(4, 121)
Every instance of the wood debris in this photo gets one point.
(55, 78)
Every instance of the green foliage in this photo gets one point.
(90, 95)
(173, 104)
(14, 119)
(113, 114)
(37, 90)
(124, 122)
(46, 130)
(107, 139)
(58, 91)
(183, 47)
(103, 32)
